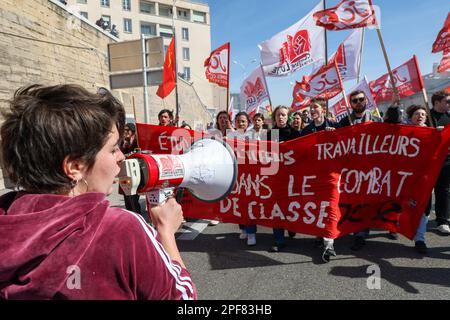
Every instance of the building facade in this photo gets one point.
(133, 18)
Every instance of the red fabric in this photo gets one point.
(217, 66)
(442, 41)
(348, 14)
(324, 83)
(444, 65)
(169, 79)
(49, 240)
(407, 80)
(303, 194)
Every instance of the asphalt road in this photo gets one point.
(225, 268)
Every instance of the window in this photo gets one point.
(199, 16)
(186, 54)
(148, 28)
(183, 14)
(82, 1)
(126, 5)
(165, 31)
(147, 7)
(104, 3)
(165, 11)
(127, 25)
(187, 73)
(107, 20)
(185, 34)
(84, 14)
(165, 50)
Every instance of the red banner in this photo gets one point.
(348, 14)
(218, 65)
(169, 80)
(327, 184)
(442, 41)
(407, 79)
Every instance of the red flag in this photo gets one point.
(169, 80)
(348, 14)
(324, 83)
(218, 66)
(445, 62)
(443, 39)
(407, 80)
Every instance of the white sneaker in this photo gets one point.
(243, 235)
(443, 228)
(213, 223)
(251, 239)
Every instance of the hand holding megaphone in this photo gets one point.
(208, 170)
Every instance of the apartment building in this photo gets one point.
(132, 18)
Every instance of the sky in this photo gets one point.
(408, 27)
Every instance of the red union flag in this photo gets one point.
(443, 39)
(407, 80)
(348, 14)
(294, 48)
(217, 66)
(445, 62)
(324, 83)
(254, 91)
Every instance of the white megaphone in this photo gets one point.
(208, 170)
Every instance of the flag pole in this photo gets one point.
(228, 78)
(265, 82)
(326, 54)
(343, 92)
(388, 65)
(177, 107)
(424, 93)
(361, 53)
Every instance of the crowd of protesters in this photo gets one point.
(288, 126)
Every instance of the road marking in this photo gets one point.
(193, 231)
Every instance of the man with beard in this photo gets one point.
(360, 114)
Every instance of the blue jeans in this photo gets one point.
(249, 229)
(420, 234)
(278, 234)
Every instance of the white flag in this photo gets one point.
(294, 48)
(254, 91)
(348, 55)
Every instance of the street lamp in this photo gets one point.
(244, 68)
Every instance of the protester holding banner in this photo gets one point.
(165, 118)
(417, 115)
(441, 116)
(360, 114)
(281, 132)
(320, 123)
(60, 237)
(257, 132)
(297, 122)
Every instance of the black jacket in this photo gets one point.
(285, 134)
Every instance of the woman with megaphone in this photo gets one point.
(60, 237)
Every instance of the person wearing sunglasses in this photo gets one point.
(360, 113)
(441, 118)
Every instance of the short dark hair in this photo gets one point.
(259, 115)
(44, 125)
(356, 92)
(320, 101)
(243, 113)
(170, 113)
(438, 96)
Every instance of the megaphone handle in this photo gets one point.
(158, 197)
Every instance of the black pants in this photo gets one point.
(132, 203)
(442, 195)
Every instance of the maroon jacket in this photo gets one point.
(57, 247)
